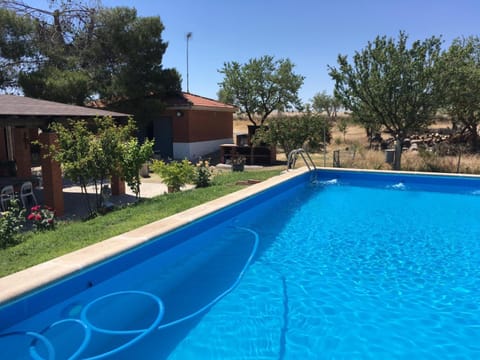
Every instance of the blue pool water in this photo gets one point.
(355, 265)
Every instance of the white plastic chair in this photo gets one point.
(6, 195)
(26, 192)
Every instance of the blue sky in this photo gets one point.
(311, 33)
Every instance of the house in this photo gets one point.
(21, 118)
(190, 126)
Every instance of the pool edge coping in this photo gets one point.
(31, 279)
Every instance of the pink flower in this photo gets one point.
(35, 208)
(31, 216)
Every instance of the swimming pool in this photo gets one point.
(352, 265)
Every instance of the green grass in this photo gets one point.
(39, 247)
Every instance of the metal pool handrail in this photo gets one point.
(293, 155)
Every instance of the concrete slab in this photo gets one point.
(76, 207)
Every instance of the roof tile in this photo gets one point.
(188, 99)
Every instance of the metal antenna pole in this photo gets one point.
(189, 35)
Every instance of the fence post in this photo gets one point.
(336, 158)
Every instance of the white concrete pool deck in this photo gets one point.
(15, 285)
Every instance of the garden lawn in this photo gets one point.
(69, 236)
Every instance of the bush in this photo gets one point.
(435, 163)
(175, 174)
(203, 174)
(11, 223)
(43, 218)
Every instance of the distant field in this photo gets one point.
(355, 153)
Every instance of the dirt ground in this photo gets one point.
(354, 133)
(355, 153)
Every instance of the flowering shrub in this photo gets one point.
(203, 174)
(43, 218)
(175, 174)
(238, 160)
(11, 222)
(238, 163)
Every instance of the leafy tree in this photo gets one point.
(261, 86)
(322, 102)
(73, 153)
(342, 126)
(91, 153)
(460, 74)
(222, 96)
(16, 46)
(391, 84)
(293, 132)
(106, 142)
(51, 36)
(71, 87)
(134, 156)
(126, 55)
(79, 51)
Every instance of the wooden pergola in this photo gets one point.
(23, 120)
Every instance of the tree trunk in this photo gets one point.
(474, 138)
(459, 158)
(58, 28)
(398, 154)
(250, 117)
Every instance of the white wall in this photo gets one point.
(194, 150)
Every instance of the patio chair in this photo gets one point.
(27, 195)
(6, 195)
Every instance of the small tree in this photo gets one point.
(261, 86)
(342, 126)
(322, 102)
(392, 84)
(91, 154)
(133, 157)
(72, 151)
(106, 151)
(460, 74)
(294, 132)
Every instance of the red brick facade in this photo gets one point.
(200, 125)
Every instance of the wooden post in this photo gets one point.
(52, 176)
(21, 151)
(118, 185)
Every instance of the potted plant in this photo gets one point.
(238, 163)
(174, 174)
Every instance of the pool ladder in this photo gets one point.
(293, 156)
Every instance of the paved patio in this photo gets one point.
(75, 204)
